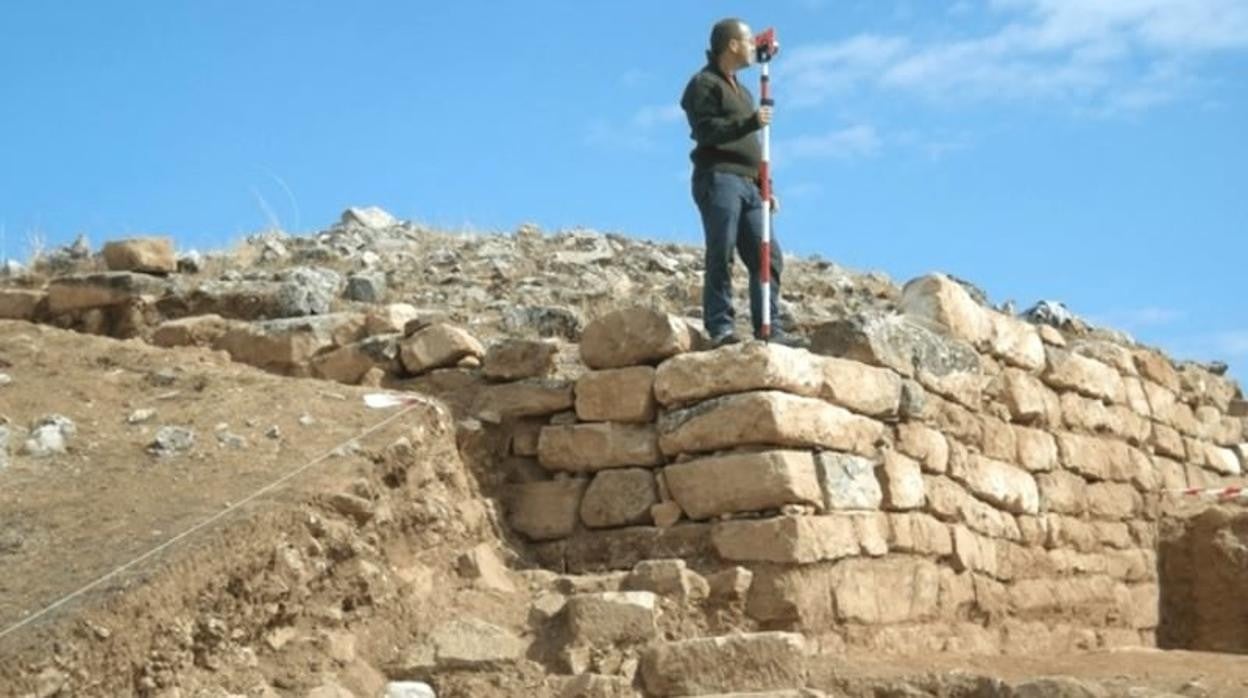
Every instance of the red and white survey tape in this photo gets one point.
(1218, 493)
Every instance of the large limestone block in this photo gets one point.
(787, 539)
(149, 255)
(474, 644)
(1069, 371)
(621, 497)
(531, 398)
(197, 330)
(1016, 342)
(919, 533)
(1063, 492)
(737, 368)
(945, 305)
(633, 336)
(516, 359)
(893, 589)
(1155, 367)
(616, 395)
(1113, 500)
(924, 444)
(19, 303)
(1037, 450)
(1096, 458)
(1006, 486)
(390, 318)
(349, 364)
(438, 346)
(849, 481)
(592, 447)
(902, 481)
(766, 418)
(80, 291)
(1029, 400)
(545, 510)
(951, 502)
(864, 389)
(286, 344)
(611, 617)
(743, 482)
(744, 662)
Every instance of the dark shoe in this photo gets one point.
(723, 340)
(785, 339)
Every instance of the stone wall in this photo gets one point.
(964, 481)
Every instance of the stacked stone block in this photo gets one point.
(1009, 505)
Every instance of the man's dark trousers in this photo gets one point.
(732, 219)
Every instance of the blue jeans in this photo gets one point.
(732, 219)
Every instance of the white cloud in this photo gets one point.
(851, 142)
(1099, 54)
(655, 115)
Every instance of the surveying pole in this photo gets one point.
(765, 48)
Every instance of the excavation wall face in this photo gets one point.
(954, 479)
(1202, 563)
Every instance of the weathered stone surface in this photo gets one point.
(766, 418)
(997, 439)
(197, 330)
(924, 444)
(545, 510)
(1166, 441)
(531, 398)
(1016, 342)
(919, 533)
(515, 359)
(729, 585)
(1006, 486)
(951, 502)
(437, 346)
(787, 539)
(1095, 458)
(945, 306)
(1063, 492)
(886, 590)
(868, 390)
(366, 287)
(619, 498)
(1113, 500)
(902, 481)
(350, 363)
(390, 318)
(1137, 399)
(671, 578)
(742, 482)
(80, 291)
(616, 395)
(1029, 400)
(849, 482)
(1037, 450)
(744, 662)
(1157, 368)
(1202, 387)
(373, 217)
(287, 344)
(592, 447)
(633, 336)
(611, 617)
(475, 644)
(598, 686)
(1069, 371)
(898, 342)
(974, 553)
(482, 565)
(148, 255)
(737, 368)
(19, 303)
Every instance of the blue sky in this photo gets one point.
(1092, 152)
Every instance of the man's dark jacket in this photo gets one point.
(723, 121)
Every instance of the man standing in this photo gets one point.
(724, 124)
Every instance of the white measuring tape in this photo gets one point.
(373, 400)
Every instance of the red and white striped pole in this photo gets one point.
(766, 47)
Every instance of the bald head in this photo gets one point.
(731, 43)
